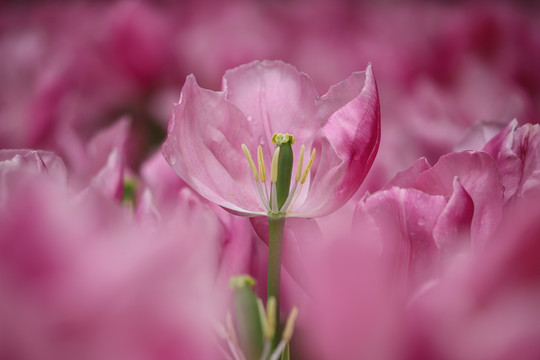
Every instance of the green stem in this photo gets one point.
(275, 237)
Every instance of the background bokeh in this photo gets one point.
(69, 68)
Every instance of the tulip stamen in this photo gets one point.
(299, 180)
(268, 196)
(260, 160)
(308, 167)
(259, 177)
(300, 164)
(250, 161)
(262, 177)
(287, 334)
(274, 167)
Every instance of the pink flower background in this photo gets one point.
(106, 253)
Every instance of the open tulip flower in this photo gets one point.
(311, 152)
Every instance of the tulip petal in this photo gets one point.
(275, 98)
(406, 178)
(478, 174)
(39, 161)
(347, 147)
(204, 148)
(404, 220)
(516, 151)
(452, 231)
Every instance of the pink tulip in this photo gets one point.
(208, 129)
(478, 176)
(400, 223)
(427, 216)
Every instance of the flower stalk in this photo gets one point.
(275, 238)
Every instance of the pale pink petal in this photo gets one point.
(73, 285)
(478, 174)
(162, 181)
(452, 231)
(146, 211)
(110, 179)
(204, 148)
(487, 307)
(404, 220)
(351, 313)
(406, 178)
(341, 94)
(275, 98)
(478, 136)
(517, 152)
(17, 163)
(346, 150)
(236, 252)
(530, 144)
(105, 141)
(40, 161)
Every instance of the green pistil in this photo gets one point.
(283, 183)
(285, 165)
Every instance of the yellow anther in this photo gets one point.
(308, 167)
(262, 315)
(300, 161)
(274, 168)
(270, 328)
(260, 160)
(250, 161)
(289, 326)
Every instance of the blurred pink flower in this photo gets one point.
(486, 307)
(164, 199)
(404, 226)
(266, 97)
(80, 278)
(34, 161)
(427, 217)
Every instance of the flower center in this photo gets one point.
(281, 196)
